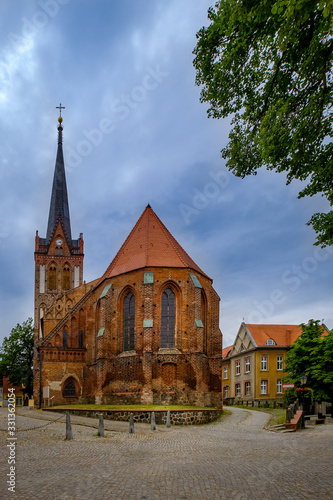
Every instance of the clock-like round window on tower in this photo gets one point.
(59, 242)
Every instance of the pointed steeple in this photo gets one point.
(59, 208)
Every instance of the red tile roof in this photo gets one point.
(149, 244)
(281, 334)
(225, 351)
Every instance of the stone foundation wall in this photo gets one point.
(177, 417)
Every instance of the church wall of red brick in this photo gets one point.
(103, 372)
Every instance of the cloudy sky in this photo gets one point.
(135, 133)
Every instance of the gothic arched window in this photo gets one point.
(203, 319)
(52, 277)
(66, 278)
(80, 339)
(70, 388)
(129, 321)
(65, 339)
(168, 318)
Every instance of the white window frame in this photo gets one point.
(225, 372)
(247, 365)
(225, 391)
(237, 367)
(279, 386)
(264, 387)
(237, 390)
(264, 363)
(279, 362)
(247, 388)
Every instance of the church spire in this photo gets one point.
(59, 208)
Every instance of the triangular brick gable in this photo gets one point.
(149, 244)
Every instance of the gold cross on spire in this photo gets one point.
(60, 108)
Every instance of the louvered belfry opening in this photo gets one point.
(129, 321)
(52, 278)
(66, 278)
(168, 318)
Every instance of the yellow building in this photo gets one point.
(252, 368)
(5, 384)
(226, 372)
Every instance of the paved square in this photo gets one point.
(232, 459)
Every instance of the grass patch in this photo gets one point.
(278, 415)
(131, 407)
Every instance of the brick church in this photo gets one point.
(147, 331)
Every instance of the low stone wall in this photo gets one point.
(177, 417)
(263, 403)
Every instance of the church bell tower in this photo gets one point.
(58, 258)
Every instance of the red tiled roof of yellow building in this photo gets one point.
(226, 350)
(281, 334)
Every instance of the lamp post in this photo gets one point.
(303, 380)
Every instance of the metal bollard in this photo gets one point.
(69, 433)
(152, 421)
(131, 424)
(168, 420)
(101, 425)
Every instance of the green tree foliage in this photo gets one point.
(268, 64)
(16, 356)
(312, 354)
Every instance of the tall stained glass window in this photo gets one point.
(168, 318)
(129, 322)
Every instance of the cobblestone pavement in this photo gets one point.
(234, 458)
